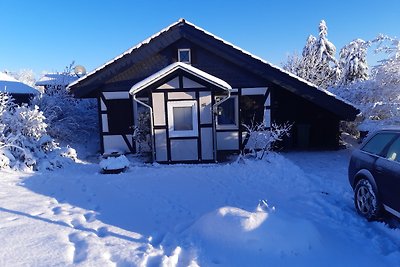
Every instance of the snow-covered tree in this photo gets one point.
(317, 63)
(353, 62)
(379, 97)
(26, 76)
(24, 142)
(387, 72)
(69, 119)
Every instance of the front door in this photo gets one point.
(183, 130)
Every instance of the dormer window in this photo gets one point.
(184, 55)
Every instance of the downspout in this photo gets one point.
(215, 112)
(151, 126)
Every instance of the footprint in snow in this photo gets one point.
(80, 247)
(102, 231)
(90, 216)
(57, 210)
(78, 223)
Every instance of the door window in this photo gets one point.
(377, 143)
(394, 151)
(228, 113)
(182, 118)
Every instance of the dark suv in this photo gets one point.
(374, 174)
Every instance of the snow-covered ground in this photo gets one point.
(292, 209)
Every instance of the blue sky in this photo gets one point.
(48, 35)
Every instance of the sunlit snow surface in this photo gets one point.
(198, 215)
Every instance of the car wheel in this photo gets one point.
(366, 201)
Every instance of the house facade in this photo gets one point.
(196, 91)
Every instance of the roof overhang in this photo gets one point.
(215, 81)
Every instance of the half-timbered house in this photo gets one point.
(198, 91)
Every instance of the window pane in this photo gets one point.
(117, 123)
(378, 143)
(184, 56)
(183, 118)
(226, 112)
(394, 151)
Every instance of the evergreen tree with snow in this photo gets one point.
(317, 63)
(378, 97)
(353, 62)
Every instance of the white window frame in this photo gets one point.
(173, 133)
(236, 124)
(184, 50)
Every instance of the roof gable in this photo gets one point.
(175, 67)
(222, 48)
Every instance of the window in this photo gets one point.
(117, 123)
(394, 151)
(227, 113)
(377, 143)
(252, 109)
(184, 55)
(182, 118)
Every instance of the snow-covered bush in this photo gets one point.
(68, 119)
(24, 142)
(141, 132)
(261, 139)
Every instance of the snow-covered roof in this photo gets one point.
(272, 71)
(173, 67)
(265, 62)
(126, 52)
(215, 37)
(11, 85)
(56, 79)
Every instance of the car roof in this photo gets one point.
(389, 129)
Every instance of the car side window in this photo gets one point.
(377, 143)
(394, 151)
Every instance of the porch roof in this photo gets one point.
(179, 66)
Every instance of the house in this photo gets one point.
(199, 90)
(55, 81)
(21, 92)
